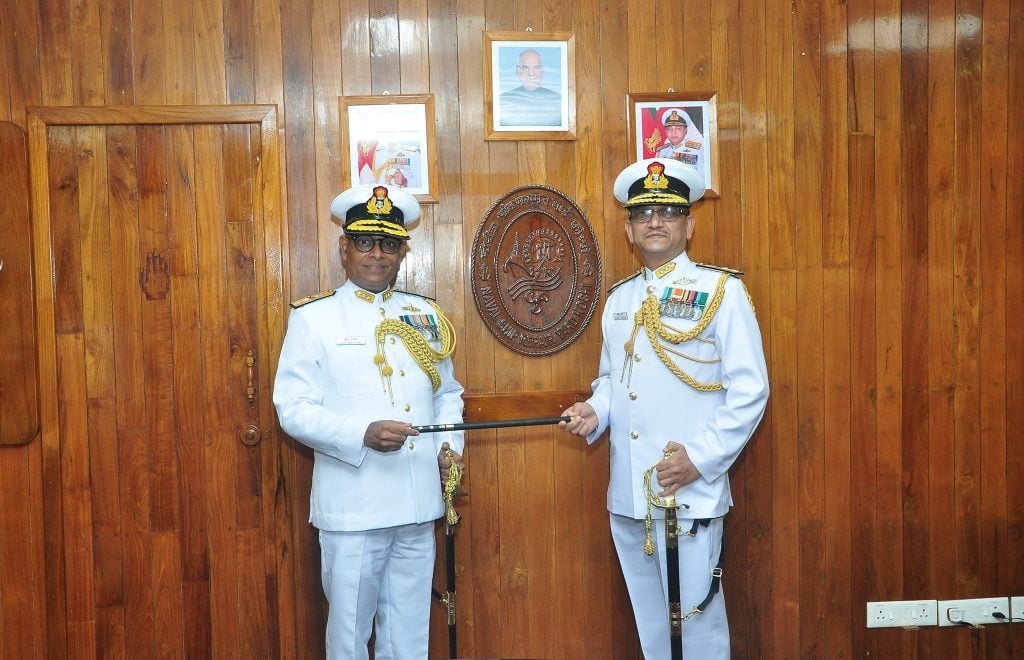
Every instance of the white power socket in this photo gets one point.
(1017, 608)
(901, 613)
(974, 611)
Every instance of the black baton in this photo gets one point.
(496, 424)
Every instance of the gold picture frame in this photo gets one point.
(695, 114)
(529, 86)
(390, 139)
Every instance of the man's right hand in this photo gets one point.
(584, 419)
(387, 435)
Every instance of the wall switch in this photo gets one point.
(901, 613)
(974, 611)
(1017, 608)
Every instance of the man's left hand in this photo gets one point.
(675, 471)
(445, 463)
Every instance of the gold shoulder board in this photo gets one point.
(410, 293)
(723, 269)
(327, 293)
(624, 280)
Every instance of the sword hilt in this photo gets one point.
(670, 506)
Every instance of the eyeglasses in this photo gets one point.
(366, 243)
(522, 68)
(668, 214)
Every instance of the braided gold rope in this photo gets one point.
(451, 486)
(648, 536)
(652, 501)
(749, 297)
(649, 317)
(419, 348)
(691, 358)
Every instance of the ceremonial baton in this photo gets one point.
(495, 424)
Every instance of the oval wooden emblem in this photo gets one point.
(536, 269)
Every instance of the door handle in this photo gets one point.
(250, 386)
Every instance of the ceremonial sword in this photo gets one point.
(675, 613)
(450, 489)
(668, 503)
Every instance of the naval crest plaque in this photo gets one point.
(536, 270)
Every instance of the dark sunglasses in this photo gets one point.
(366, 243)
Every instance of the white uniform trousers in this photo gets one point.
(706, 635)
(384, 572)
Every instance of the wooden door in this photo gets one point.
(159, 321)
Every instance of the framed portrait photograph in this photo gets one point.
(529, 86)
(683, 126)
(389, 139)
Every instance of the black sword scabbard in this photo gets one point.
(675, 615)
(449, 549)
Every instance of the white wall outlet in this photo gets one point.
(1017, 608)
(974, 611)
(901, 613)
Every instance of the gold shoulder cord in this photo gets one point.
(420, 350)
(649, 317)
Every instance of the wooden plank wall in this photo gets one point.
(872, 160)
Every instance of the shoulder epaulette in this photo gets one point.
(624, 280)
(410, 293)
(327, 293)
(722, 269)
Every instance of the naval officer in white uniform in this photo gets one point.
(359, 367)
(682, 385)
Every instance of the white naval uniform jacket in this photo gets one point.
(651, 406)
(327, 391)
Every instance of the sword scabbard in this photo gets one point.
(671, 524)
(449, 601)
(675, 617)
(675, 620)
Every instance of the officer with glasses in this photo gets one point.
(360, 366)
(681, 387)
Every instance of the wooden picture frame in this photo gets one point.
(529, 86)
(389, 139)
(697, 142)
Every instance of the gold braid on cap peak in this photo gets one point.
(418, 347)
(649, 317)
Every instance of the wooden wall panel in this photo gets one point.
(870, 160)
(19, 406)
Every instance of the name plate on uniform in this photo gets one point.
(536, 269)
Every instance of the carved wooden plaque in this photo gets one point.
(536, 269)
